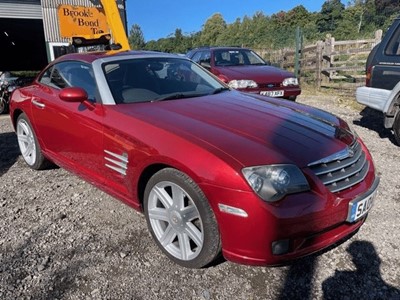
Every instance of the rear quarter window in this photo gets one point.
(393, 47)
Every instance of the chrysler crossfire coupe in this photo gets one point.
(215, 171)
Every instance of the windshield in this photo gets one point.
(236, 57)
(158, 78)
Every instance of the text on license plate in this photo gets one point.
(272, 93)
(360, 208)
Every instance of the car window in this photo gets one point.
(205, 57)
(152, 79)
(236, 57)
(196, 57)
(71, 74)
(393, 47)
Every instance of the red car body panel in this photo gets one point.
(211, 139)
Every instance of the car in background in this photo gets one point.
(245, 70)
(260, 180)
(382, 87)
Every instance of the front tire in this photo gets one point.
(180, 219)
(28, 144)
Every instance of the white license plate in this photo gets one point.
(359, 208)
(272, 93)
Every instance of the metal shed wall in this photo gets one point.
(20, 9)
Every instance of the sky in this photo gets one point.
(159, 18)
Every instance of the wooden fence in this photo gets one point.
(327, 63)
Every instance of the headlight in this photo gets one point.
(242, 84)
(273, 182)
(290, 81)
(11, 88)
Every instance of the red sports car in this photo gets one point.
(214, 170)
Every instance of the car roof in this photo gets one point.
(90, 57)
(220, 48)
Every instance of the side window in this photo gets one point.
(205, 57)
(57, 78)
(45, 79)
(71, 74)
(196, 57)
(393, 47)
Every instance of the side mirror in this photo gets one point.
(76, 95)
(73, 94)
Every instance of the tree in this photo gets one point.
(386, 10)
(330, 15)
(136, 38)
(213, 27)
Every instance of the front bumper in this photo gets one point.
(288, 92)
(303, 223)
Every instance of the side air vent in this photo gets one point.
(116, 162)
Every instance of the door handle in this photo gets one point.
(37, 103)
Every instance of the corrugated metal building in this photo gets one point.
(30, 32)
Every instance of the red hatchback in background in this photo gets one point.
(244, 70)
(214, 170)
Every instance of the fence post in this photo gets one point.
(378, 36)
(318, 65)
(297, 53)
(328, 57)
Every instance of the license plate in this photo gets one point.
(359, 208)
(272, 93)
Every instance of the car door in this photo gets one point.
(71, 133)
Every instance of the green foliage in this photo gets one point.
(359, 19)
(136, 38)
(212, 29)
(330, 16)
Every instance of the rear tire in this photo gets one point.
(396, 128)
(29, 146)
(180, 219)
(3, 106)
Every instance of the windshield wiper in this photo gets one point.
(219, 90)
(175, 96)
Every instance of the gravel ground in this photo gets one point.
(61, 238)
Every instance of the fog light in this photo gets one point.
(280, 247)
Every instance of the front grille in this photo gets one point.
(270, 85)
(342, 170)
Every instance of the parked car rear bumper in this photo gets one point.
(373, 97)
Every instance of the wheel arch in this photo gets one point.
(16, 113)
(144, 178)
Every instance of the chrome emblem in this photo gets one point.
(343, 154)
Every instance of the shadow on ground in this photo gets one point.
(9, 151)
(373, 120)
(365, 282)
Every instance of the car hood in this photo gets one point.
(257, 73)
(252, 130)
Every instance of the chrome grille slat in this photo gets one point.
(343, 173)
(338, 174)
(342, 185)
(338, 164)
